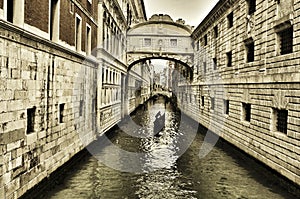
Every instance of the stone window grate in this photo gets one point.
(147, 42)
(251, 6)
(30, 120)
(229, 58)
(205, 40)
(61, 113)
(282, 116)
(250, 52)
(215, 63)
(230, 20)
(247, 112)
(286, 41)
(226, 106)
(216, 31)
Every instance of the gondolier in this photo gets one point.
(159, 123)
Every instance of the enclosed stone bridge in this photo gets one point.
(160, 38)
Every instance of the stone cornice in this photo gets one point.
(216, 13)
(163, 22)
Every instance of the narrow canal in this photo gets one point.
(224, 173)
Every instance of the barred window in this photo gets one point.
(286, 41)
(202, 101)
(226, 106)
(61, 113)
(205, 40)
(230, 20)
(216, 31)
(30, 120)
(173, 42)
(246, 111)
(147, 42)
(251, 6)
(215, 63)
(229, 58)
(281, 118)
(250, 51)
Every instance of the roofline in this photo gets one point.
(164, 22)
(221, 5)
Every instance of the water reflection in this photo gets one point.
(223, 173)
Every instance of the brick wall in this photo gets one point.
(270, 81)
(34, 10)
(34, 73)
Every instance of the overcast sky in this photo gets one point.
(192, 11)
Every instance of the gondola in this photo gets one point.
(159, 124)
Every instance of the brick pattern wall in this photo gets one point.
(271, 81)
(41, 76)
(34, 10)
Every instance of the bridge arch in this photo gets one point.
(160, 38)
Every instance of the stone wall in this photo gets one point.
(46, 97)
(268, 84)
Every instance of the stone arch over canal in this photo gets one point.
(159, 38)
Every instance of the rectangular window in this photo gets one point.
(280, 117)
(30, 120)
(229, 58)
(226, 106)
(61, 113)
(88, 40)
(78, 34)
(212, 101)
(215, 63)
(250, 51)
(285, 39)
(246, 112)
(10, 10)
(54, 21)
(147, 42)
(205, 40)
(202, 101)
(216, 31)
(173, 42)
(251, 6)
(81, 108)
(204, 67)
(230, 20)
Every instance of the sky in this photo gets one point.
(192, 11)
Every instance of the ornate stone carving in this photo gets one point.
(280, 100)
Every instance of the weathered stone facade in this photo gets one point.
(250, 95)
(58, 94)
(38, 78)
(60, 87)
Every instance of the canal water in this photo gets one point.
(224, 173)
